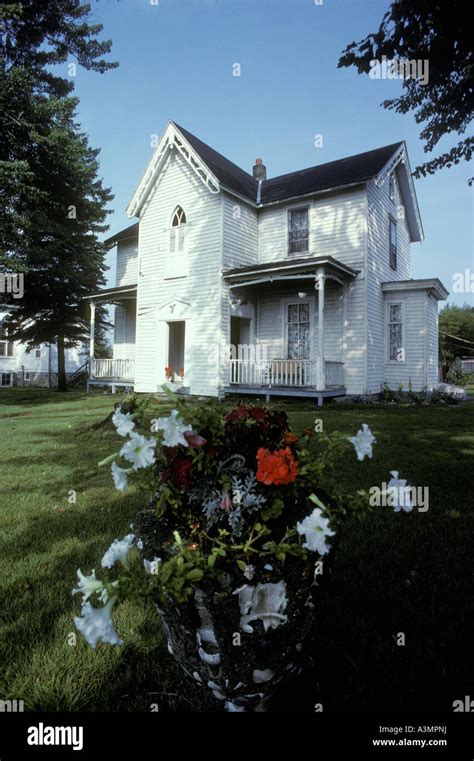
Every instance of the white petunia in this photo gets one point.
(123, 422)
(118, 551)
(151, 566)
(173, 428)
(120, 477)
(400, 493)
(139, 451)
(363, 442)
(96, 625)
(87, 585)
(315, 528)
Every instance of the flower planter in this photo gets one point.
(243, 515)
(238, 637)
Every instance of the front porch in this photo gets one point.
(284, 377)
(288, 328)
(111, 372)
(118, 372)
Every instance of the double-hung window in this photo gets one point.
(176, 261)
(298, 230)
(396, 351)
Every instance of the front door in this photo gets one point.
(176, 350)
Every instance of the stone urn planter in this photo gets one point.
(239, 636)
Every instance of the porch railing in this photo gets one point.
(115, 369)
(333, 373)
(284, 372)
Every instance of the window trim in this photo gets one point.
(172, 271)
(392, 220)
(289, 210)
(387, 323)
(284, 304)
(10, 374)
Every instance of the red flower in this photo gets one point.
(257, 413)
(236, 414)
(181, 472)
(278, 467)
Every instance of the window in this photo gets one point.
(177, 231)
(6, 347)
(38, 353)
(298, 231)
(298, 331)
(26, 377)
(7, 379)
(395, 333)
(391, 187)
(176, 261)
(393, 243)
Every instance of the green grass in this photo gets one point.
(395, 573)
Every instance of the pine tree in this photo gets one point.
(53, 205)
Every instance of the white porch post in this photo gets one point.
(319, 286)
(92, 332)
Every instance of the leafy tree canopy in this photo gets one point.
(441, 33)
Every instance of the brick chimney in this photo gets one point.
(259, 170)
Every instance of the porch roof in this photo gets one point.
(112, 294)
(433, 285)
(286, 269)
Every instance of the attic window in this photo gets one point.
(176, 261)
(179, 217)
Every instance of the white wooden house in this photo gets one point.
(296, 285)
(38, 367)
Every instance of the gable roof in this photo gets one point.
(217, 172)
(348, 171)
(126, 234)
(226, 171)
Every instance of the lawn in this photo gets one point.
(394, 573)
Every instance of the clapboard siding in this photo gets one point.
(240, 233)
(124, 330)
(271, 320)
(380, 209)
(127, 263)
(337, 228)
(410, 373)
(199, 290)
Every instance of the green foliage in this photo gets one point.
(439, 33)
(456, 332)
(456, 374)
(52, 202)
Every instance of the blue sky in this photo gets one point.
(176, 62)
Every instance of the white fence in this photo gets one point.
(115, 369)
